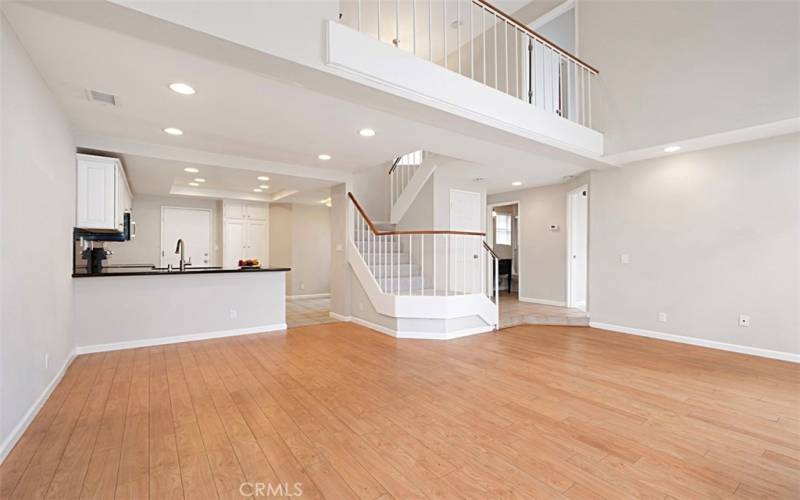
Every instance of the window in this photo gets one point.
(502, 229)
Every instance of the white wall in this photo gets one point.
(710, 235)
(301, 237)
(146, 308)
(542, 253)
(146, 247)
(38, 212)
(340, 270)
(673, 70)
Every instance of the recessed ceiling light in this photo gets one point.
(199, 179)
(194, 184)
(263, 178)
(366, 132)
(263, 186)
(672, 149)
(182, 88)
(324, 157)
(191, 170)
(516, 183)
(173, 131)
(256, 190)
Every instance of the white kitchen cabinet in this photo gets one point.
(103, 195)
(244, 210)
(245, 232)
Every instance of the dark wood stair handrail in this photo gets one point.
(378, 232)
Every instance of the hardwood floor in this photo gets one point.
(530, 411)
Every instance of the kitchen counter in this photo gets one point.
(160, 271)
(147, 306)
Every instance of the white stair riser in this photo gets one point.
(400, 285)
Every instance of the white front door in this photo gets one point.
(465, 215)
(577, 242)
(193, 226)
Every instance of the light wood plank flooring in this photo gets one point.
(349, 413)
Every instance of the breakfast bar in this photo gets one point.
(130, 307)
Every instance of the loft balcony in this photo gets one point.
(469, 55)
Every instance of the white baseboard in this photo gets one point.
(179, 338)
(340, 317)
(309, 296)
(559, 303)
(405, 334)
(26, 420)
(713, 344)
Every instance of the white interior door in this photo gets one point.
(465, 215)
(256, 241)
(234, 237)
(577, 241)
(193, 226)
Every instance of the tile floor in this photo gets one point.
(311, 311)
(513, 313)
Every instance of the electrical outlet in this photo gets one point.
(744, 320)
(234, 314)
(625, 259)
(662, 317)
(302, 286)
(47, 361)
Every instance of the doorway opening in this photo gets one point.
(577, 247)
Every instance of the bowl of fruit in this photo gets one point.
(249, 264)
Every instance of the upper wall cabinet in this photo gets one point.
(103, 195)
(244, 210)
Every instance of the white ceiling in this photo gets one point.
(156, 176)
(248, 116)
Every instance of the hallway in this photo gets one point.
(513, 312)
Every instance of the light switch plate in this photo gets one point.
(662, 317)
(625, 259)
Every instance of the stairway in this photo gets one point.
(390, 263)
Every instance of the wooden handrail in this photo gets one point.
(487, 247)
(537, 35)
(394, 165)
(378, 232)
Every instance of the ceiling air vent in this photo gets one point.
(102, 97)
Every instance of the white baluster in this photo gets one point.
(458, 33)
(444, 32)
(434, 264)
(447, 264)
(494, 29)
(506, 51)
(430, 34)
(410, 261)
(483, 40)
(516, 60)
(471, 43)
(379, 19)
(422, 262)
(589, 88)
(397, 23)
(359, 15)
(414, 27)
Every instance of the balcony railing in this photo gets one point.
(479, 41)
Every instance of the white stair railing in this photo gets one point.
(481, 42)
(402, 172)
(425, 263)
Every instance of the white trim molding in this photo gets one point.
(546, 302)
(115, 346)
(551, 14)
(763, 131)
(26, 419)
(340, 317)
(406, 334)
(309, 296)
(712, 344)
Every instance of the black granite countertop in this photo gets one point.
(159, 271)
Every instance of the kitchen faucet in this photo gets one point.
(180, 249)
